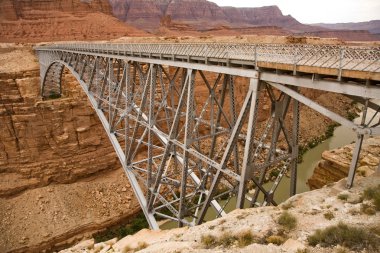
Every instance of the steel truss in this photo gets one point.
(188, 135)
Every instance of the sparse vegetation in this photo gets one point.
(208, 241)
(287, 205)
(373, 194)
(343, 196)
(54, 95)
(287, 220)
(141, 246)
(245, 238)
(228, 239)
(367, 209)
(275, 239)
(302, 251)
(354, 211)
(351, 115)
(329, 215)
(130, 227)
(353, 238)
(317, 140)
(375, 229)
(341, 250)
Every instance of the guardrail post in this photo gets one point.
(256, 65)
(342, 51)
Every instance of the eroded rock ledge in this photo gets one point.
(335, 163)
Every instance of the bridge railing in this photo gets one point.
(324, 56)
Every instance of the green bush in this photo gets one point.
(132, 226)
(287, 220)
(343, 196)
(353, 238)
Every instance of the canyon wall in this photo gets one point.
(59, 176)
(208, 18)
(47, 20)
(146, 14)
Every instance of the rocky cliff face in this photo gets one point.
(193, 16)
(146, 14)
(59, 176)
(47, 20)
(335, 163)
(35, 9)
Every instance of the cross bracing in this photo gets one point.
(188, 122)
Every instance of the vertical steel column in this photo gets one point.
(188, 140)
(356, 153)
(294, 163)
(152, 91)
(231, 143)
(254, 86)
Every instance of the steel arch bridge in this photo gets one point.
(187, 121)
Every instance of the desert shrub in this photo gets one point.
(287, 205)
(275, 239)
(287, 220)
(367, 209)
(302, 251)
(375, 230)
(353, 238)
(341, 250)
(343, 196)
(132, 226)
(226, 239)
(208, 241)
(141, 245)
(245, 238)
(373, 194)
(329, 215)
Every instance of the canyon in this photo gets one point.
(60, 177)
(46, 20)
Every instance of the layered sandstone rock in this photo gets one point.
(59, 176)
(208, 18)
(201, 13)
(335, 163)
(46, 20)
(36, 9)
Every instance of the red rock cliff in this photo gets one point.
(48, 20)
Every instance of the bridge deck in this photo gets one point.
(331, 60)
